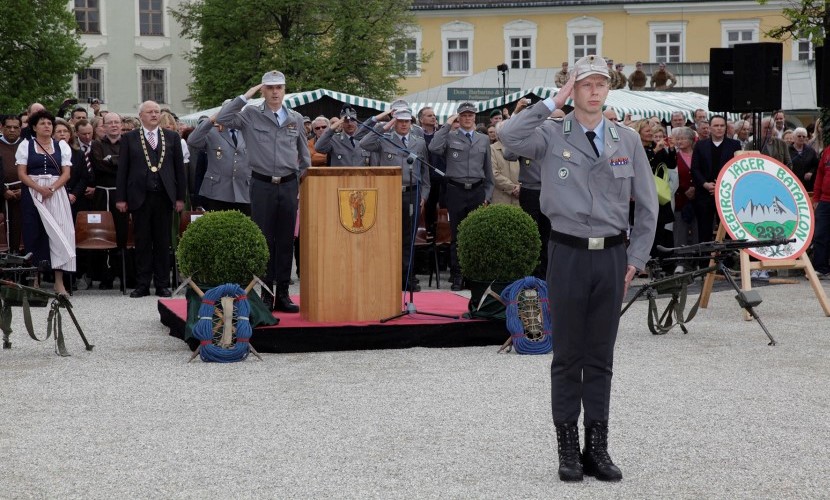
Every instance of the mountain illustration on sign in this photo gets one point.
(768, 221)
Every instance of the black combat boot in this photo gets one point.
(266, 298)
(282, 302)
(567, 436)
(457, 279)
(595, 456)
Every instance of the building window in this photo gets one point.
(520, 52)
(153, 85)
(88, 16)
(736, 32)
(89, 85)
(584, 37)
(458, 55)
(457, 40)
(803, 50)
(407, 55)
(520, 44)
(584, 44)
(667, 46)
(150, 14)
(668, 41)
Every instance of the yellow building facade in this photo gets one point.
(461, 41)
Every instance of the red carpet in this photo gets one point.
(293, 334)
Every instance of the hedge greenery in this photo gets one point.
(222, 247)
(498, 242)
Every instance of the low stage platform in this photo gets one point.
(292, 334)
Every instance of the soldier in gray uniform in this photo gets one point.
(414, 175)
(591, 168)
(469, 173)
(341, 141)
(278, 155)
(227, 181)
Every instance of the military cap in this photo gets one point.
(306, 119)
(347, 112)
(495, 112)
(273, 78)
(466, 107)
(403, 114)
(590, 65)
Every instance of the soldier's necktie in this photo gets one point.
(403, 140)
(351, 138)
(151, 138)
(591, 135)
(233, 137)
(277, 116)
(470, 137)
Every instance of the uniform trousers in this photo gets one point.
(217, 205)
(705, 213)
(460, 202)
(529, 200)
(274, 210)
(585, 288)
(821, 238)
(152, 223)
(437, 198)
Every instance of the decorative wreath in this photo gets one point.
(217, 344)
(528, 315)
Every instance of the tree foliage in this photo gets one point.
(40, 52)
(352, 46)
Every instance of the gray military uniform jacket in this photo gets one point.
(388, 155)
(466, 161)
(583, 195)
(340, 150)
(273, 149)
(228, 175)
(530, 170)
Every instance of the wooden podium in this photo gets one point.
(350, 243)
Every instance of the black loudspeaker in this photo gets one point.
(822, 65)
(757, 85)
(720, 79)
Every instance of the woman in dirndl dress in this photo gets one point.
(43, 165)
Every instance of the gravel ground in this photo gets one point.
(715, 413)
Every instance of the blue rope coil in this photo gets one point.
(204, 327)
(510, 295)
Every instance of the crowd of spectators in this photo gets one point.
(92, 137)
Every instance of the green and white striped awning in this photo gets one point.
(641, 104)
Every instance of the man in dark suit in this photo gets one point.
(708, 157)
(150, 183)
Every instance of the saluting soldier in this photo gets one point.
(404, 149)
(278, 155)
(591, 168)
(341, 141)
(227, 181)
(469, 173)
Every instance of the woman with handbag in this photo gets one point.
(43, 165)
(662, 158)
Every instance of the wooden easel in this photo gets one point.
(802, 262)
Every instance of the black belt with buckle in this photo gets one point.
(587, 243)
(273, 179)
(465, 185)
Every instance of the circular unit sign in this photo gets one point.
(759, 198)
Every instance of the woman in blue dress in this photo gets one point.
(43, 165)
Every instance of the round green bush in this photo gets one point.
(498, 242)
(222, 247)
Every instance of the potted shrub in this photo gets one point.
(497, 245)
(218, 248)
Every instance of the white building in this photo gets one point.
(137, 53)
